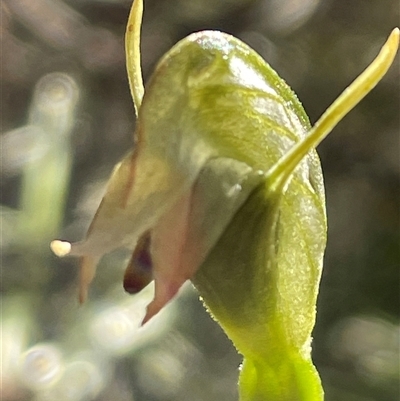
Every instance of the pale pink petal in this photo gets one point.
(168, 239)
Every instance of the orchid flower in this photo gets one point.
(224, 188)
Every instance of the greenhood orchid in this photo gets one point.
(224, 188)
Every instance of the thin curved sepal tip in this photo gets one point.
(132, 50)
(87, 272)
(279, 175)
(164, 293)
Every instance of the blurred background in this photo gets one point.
(67, 118)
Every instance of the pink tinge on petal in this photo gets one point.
(168, 239)
(164, 292)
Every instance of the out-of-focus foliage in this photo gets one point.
(67, 117)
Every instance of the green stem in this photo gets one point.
(286, 378)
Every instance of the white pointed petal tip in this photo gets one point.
(60, 248)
